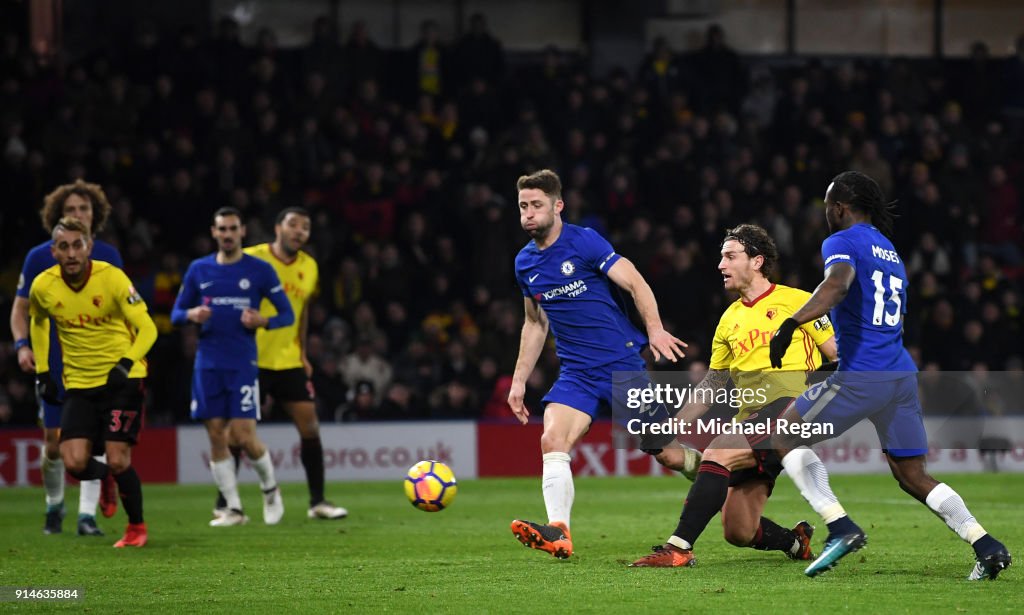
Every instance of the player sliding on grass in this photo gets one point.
(564, 274)
(738, 472)
(865, 287)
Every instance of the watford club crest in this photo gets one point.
(97, 300)
(301, 276)
(771, 313)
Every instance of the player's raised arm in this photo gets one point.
(531, 343)
(663, 343)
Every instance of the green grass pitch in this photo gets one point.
(389, 557)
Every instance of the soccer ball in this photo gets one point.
(430, 486)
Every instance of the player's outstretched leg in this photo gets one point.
(991, 556)
(563, 427)
(706, 497)
(559, 492)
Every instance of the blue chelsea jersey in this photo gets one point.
(568, 280)
(869, 320)
(38, 260)
(224, 343)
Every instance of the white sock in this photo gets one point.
(811, 478)
(557, 487)
(679, 542)
(89, 493)
(265, 470)
(224, 475)
(948, 505)
(53, 479)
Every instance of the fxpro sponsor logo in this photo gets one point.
(371, 451)
(572, 289)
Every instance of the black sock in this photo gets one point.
(312, 455)
(94, 470)
(236, 452)
(705, 499)
(130, 488)
(842, 526)
(773, 537)
(985, 545)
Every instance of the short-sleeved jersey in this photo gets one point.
(568, 280)
(97, 324)
(741, 345)
(224, 342)
(39, 259)
(281, 348)
(869, 320)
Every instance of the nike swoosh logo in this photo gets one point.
(204, 285)
(533, 277)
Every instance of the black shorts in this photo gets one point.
(769, 466)
(100, 416)
(286, 385)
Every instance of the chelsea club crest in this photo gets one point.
(568, 268)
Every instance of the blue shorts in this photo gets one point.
(892, 406)
(587, 390)
(225, 394)
(49, 414)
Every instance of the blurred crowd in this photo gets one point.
(408, 158)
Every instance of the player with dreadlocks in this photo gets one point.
(865, 288)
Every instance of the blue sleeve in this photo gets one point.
(596, 251)
(188, 297)
(837, 249)
(273, 290)
(106, 252)
(36, 262)
(519, 280)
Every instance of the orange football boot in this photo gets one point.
(666, 556)
(804, 531)
(134, 536)
(554, 538)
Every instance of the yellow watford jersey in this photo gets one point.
(99, 324)
(281, 348)
(741, 346)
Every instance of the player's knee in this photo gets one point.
(554, 443)
(75, 464)
(733, 459)
(672, 458)
(738, 536)
(118, 463)
(309, 429)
